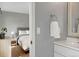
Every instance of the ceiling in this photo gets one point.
(19, 7)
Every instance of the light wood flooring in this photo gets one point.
(17, 51)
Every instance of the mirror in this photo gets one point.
(73, 19)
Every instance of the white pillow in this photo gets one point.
(23, 32)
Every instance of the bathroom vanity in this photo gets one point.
(66, 48)
(70, 46)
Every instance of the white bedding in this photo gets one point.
(24, 42)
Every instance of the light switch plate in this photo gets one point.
(38, 30)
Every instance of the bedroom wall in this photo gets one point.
(13, 20)
(43, 42)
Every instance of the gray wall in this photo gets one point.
(13, 20)
(43, 42)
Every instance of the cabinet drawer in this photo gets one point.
(57, 55)
(68, 52)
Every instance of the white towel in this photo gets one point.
(55, 30)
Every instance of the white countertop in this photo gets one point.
(72, 43)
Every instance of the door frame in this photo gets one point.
(32, 28)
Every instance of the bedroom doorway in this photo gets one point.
(14, 26)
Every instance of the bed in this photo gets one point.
(23, 38)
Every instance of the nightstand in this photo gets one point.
(13, 42)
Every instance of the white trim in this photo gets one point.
(32, 27)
